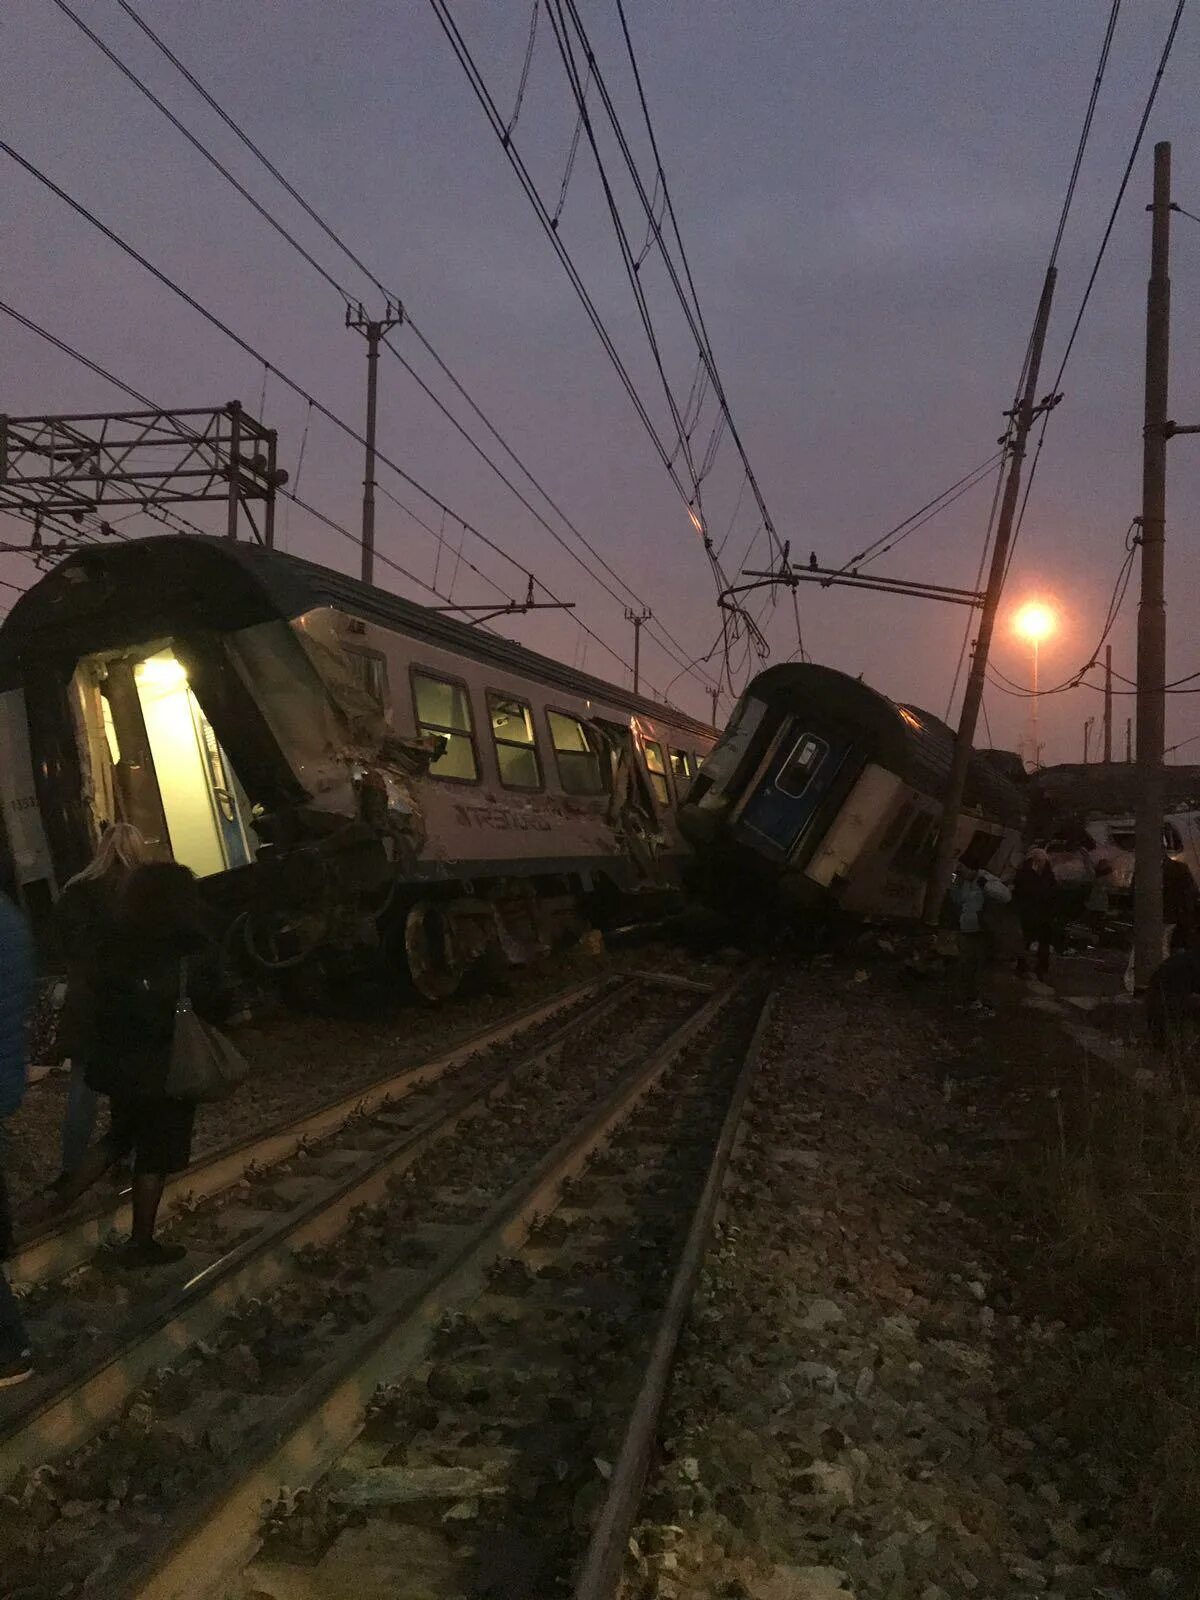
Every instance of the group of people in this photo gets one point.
(130, 935)
(995, 920)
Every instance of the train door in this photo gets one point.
(154, 760)
(203, 811)
(797, 779)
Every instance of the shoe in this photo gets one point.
(17, 1370)
(148, 1253)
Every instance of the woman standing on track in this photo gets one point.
(83, 923)
(157, 940)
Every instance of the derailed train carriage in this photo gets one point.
(362, 783)
(823, 796)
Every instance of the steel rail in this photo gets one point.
(193, 1553)
(603, 1564)
(58, 1248)
(89, 1390)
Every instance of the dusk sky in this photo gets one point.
(867, 192)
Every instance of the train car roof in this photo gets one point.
(907, 739)
(96, 597)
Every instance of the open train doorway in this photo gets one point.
(156, 761)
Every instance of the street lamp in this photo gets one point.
(1034, 622)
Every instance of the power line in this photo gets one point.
(312, 510)
(257, 355)
(1100, 253)
(310, 211)
(290, 494)
(487, 102)
(697, 325)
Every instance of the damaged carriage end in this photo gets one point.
(234, 704)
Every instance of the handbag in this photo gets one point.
(203, 1064)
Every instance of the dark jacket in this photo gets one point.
(84, 919)
(16, 991)
(135, 984)
(1035, 891)
(1180, 896)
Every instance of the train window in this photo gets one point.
(516, 747)
(369, 671)
(445, 708)
(891, 835)
(576, 754)
(683, 766)
(921, 831)
(657, 768)
(802, 761)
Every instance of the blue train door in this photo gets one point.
(793, 786)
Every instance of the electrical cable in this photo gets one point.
(524, 83)
(289, 494)
(703, 339)
(284, 378)
(1093, 275)
(331, 233)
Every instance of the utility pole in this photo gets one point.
(1027, 409)
(1087, 738)
(639, 620)
(1108, 703)
(1152, 621)
(373, 332)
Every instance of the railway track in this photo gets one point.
(325, 1282)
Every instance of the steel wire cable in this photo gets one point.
(290, 239)
(284, 378)
(332, 234)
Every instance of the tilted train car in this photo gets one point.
(356, 777)
(823, 794)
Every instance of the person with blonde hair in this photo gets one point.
(83, 921)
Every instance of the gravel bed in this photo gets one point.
(64, 1523)
(481, 1475)
(875, 1395)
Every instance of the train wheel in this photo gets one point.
(433, 963)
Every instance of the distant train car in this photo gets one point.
(356, 778)
(823, 794)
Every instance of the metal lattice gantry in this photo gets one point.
(71, 465)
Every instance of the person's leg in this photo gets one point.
(162, 1143)
(146, 1198)
(79, 1119)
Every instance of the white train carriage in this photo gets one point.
(348, 771)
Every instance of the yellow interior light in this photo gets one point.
(161, 671)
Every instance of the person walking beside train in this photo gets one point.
(84, 919)
(16, 990)
(1035, 894)
(158, 951)
(971, 892)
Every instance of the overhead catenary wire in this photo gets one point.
(669, 210)
(1096, 265)
(284, 378)
(560, 10)
(672, 646)
(288, 493)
